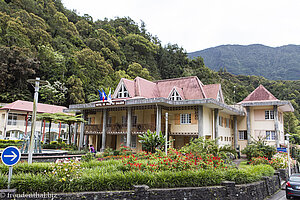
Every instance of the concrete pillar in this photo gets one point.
(75, 134)
(158, 119)
(276, 125)
(129, 117)
(104, 114)
(248, 125)
(216, 123)
(200, 121)
(235, 132)
(81, 136)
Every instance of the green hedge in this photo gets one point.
(34, 168)
(7, 143)
(102, 178)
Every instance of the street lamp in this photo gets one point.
(37, 83)
(288, 152)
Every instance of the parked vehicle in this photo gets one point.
(293, 186)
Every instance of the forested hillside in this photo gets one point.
(77, 55)
(279, 63)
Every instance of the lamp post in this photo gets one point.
(166, 143)
(37, 83)
(288, 152)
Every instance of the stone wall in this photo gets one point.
(227, 191)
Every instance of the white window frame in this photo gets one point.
(175, 96)
(270, 135)
(186, 118)
(12, 119)
(123, 92)
(220, 121)
(269, 114)
(243, 135)
(227, 122)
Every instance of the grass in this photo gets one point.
(243, 165)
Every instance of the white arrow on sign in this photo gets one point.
(11, 156)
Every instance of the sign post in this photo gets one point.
(10, 156)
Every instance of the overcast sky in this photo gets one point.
(199, 24)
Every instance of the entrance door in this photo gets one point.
(114, 142)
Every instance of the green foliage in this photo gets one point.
(201, 146)
(7, 143)
(259, 148)
(88, 157)
(151, 141)
(44, 39)
(105, 176)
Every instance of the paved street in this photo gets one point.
(279, 196)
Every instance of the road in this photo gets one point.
(278, 196)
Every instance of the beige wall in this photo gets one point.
(259, 125)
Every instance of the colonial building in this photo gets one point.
(16, 120)
(185, 107)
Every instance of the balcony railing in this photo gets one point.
(94, 129)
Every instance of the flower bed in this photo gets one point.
(278, 161)
(174, 161)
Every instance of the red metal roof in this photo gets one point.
(187, 87)
(27, 106)
(260, 94)
(212, 90)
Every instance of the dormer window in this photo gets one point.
(123, 93)
(175, 96)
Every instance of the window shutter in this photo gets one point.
(193, 119)
(113, 119)
(177, 119)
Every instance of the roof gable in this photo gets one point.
(191, 86)
(260, 94)
(179, 92)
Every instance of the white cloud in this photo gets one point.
(199, 24)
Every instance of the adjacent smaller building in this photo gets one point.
(263, 119)
(15, 120)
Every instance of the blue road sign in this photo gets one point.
(282, 150)
(10, 156)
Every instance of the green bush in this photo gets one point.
(259, 148)
(201, 146)
(7, 143)
(88, 157)
(103, 176)
(34, 168)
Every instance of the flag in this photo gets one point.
(109, 96)
(100, 94)
(104, 97)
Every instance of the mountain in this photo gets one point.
(276, 63)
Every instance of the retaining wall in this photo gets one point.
(227, 191)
